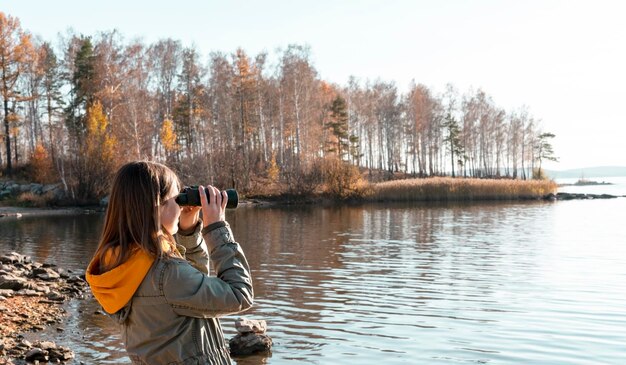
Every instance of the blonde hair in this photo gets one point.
(133, 219)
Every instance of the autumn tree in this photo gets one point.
(168, 138)
(189, 108)
(273, 170)
(219, 133)
(15, 49)
(135, 126)
(387, 114)
(364, 122)
(110, 72)
(301, 135)
(42, 168)
(263, 105)
(499, 137)
(50, 92)
(99, 155)
(469, 132)
(31, 84)
(245, 113)
(165, 58)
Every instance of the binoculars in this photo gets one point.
(190, 195)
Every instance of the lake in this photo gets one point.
(496, 283)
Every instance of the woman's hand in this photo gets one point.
(213, 206)
(189, 216)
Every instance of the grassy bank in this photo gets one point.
(354, 187)
(459, 189)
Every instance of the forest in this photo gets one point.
(74, 111)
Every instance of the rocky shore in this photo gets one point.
(572, 196)
(11, 188)
(31, 298)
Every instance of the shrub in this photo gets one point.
(305, 180)
(273, 170)
(41, 168)
(30, 199)
(98, 159)
(343, 180)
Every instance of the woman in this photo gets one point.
(151, 269)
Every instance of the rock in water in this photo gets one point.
(251, 337)
(244, 325)
(250, 343)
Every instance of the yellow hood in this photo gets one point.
(114, 289)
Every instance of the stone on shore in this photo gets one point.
(46, 273)
(46, 351)
(251, 338)
(12, 189)
(14, 258)
(36, 354)
(9, 281)
(30, 294)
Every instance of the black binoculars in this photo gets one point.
(190, 195)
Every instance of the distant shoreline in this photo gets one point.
(587, 183)
(588, 172)
(415, 190)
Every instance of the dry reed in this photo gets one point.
(460, 189)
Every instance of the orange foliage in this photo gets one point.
(99, 141)
(99, 153)
(273, 171)
(168, 136)
(42, 167)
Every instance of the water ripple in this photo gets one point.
(522, 283)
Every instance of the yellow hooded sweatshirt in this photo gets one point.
(115, 288)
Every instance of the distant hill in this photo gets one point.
(587, 172)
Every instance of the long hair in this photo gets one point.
(132, 218)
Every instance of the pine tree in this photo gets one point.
(50, 88)
(543, 150)
(338, 125)
(83, 89)
(453, 141)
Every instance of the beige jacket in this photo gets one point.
(173, 316)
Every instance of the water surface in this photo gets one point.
(504, 283)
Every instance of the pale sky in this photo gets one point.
(564, 60)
